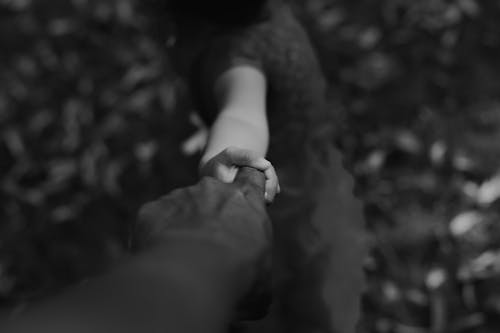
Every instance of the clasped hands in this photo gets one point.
(202, 260)
(224, 167)
(226, 213)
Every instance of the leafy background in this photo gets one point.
(92, 121)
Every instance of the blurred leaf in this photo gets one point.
(373, 163)
(61, 26)
(469, 7)
(125, 11)
(437, 152)
(16, 4)
(463, 161)
(436, 278)
(40, 121)
(196, 143)
(64, 213)
(489, 191)
(484, 266)
(62, 170)
(408, 142)
(465, 222)
(369, 38)
(330, 18)
(14, 142)
(139, 74)
(140, 100)
(372, 71)
(145, 151)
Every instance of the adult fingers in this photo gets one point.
(251, 181)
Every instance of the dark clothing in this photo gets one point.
(318, 222)
(280, 48)
(202, 253)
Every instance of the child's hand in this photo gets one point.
(224, 167)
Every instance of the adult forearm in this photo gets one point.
(187, 286)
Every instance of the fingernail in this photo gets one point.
(266, 196)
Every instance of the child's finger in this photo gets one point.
(271, 183)
(233, 156)
(245, 157)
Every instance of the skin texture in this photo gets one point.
(202, 257)
(241, 126)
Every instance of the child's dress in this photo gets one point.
(318, 223)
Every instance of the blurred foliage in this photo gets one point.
(88, 133)
(92, 119)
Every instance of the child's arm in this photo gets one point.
(240, 134)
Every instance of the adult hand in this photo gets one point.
(228, 215)
(201, 249)
(224, 167)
